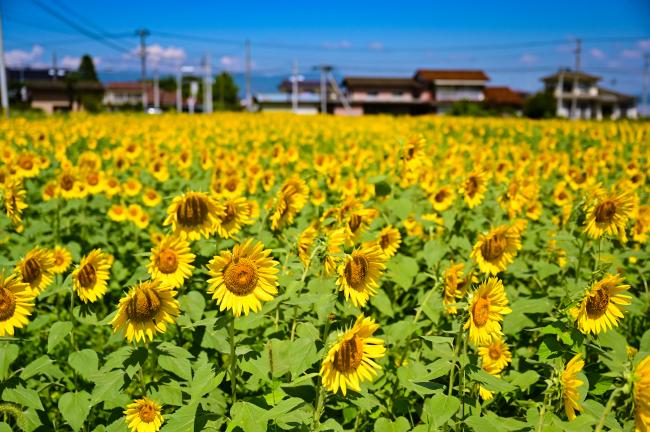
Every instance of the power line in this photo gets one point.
(88, 23)
(97, 37)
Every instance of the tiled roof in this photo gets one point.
(444, 74)
(503, 96)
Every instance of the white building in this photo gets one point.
(578, 96)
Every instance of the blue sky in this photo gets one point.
(514, 42)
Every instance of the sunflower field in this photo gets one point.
(253, 272)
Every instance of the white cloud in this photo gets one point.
(338, 45)
(22, 58)
(597, 53)
(644, 44)
(630, 54)
(72, 62)
(528, 58)
(157, 54)
(376, 46)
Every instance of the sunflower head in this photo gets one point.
(487, 306)
(90, 278)
(642, 394)
(360, 272)
(193, 215)
(171, 261)
(570, 384)
(35, 269)
(608, 213)
(495, 356)
(602, 305)
(496, 249)
(144, 415)
(16, 303)
(62, 259)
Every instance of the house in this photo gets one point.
(307, 98)
(48, 89)
(445, 87)
(578, 96)
(373, 95)
(129, 94)
(504, 99)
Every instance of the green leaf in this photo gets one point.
(247, 416)
(400, 424)
(644, 345)
(74, 407)
(58, 332)
(524, 380)
(382, 189)
(434, 250)
(8, 353)
(28, 398)
(85, 362)
(491, 382)
(182, 420)
(177, 365)
(107, 386)
(43, 365)
(303, 355)
(402, 269)
(438, 409)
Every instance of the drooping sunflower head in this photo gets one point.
(289, 200)
(608, 213)
(16, 303)
(193, 214)
(360, 272)
(90, 278)
(13, 195)
(146, 310)
(495, 356)
(171, 261)
(306, 243)
(351, 359)
(241, 279)
(144, 415)
(36, 269)
(389, 240)
(495, 250)
(236, 213)
(473, 188)
(570, 384)
(487, 306)
(602, 305)
(456, 285)
(642, 395)
(62, 259)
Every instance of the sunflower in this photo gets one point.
(351, 359)
(91, 276)
(601, 307)
(570, 384)
(151, 198)
(473, 188)
(359, 274)
(608, 213)
(143, 415)
(495, 356)
(13, 194)
(36, 269)
(495, 250)
(456, 284)
(132, 187)
(117, 213)
(236, 213)
(62, 259)
(642, 395)
(145, 310)
(16, 304)
(442, 198)
(193, 214)
(171, 261)
(333, 251)
(306, 243)
(290, 199)
(389, 240)
(487, 305)
(243, 277)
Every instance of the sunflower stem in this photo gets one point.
(319, 403)
(607, 410)
(233, 360)
(579, 263)
(542, 411)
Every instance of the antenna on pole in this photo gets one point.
(295, 80)
(143, 33)
(574, 100)
(4, 97)
(249, 96)
(324, 71)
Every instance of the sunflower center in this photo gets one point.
(471, 186)
(440, 196)
(356, 271)
(241, 277)
(384, 241)
(93, 179)
(147, 413)
(495, 353)
(26, 164)
(58, 260)
(144, 305)
(167, 261)
(31, 271)
(7, 304)
(493, 247)
(481, 311)
(355, 222)
(348, 357)
(229, 215)
(605, 212)
(193, 212)
(597, 304)
(87, 276)
(67, 182)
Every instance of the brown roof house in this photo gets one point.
(445, 87)
(578, 96)
(503, 99)
(129, 93)
(373, 95)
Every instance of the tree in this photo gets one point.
(225, 92)
(540, 105)
(86, 69)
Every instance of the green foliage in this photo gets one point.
(540, 106)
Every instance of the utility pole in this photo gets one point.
(179, 91)
(54, 71)
(143, 33)
(249, 96)
(574, 100)
(294, 87)
(156, 90)
(646, 65)
(324, 71)
(3, 74)
(207, 84)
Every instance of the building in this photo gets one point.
(445, 87)
(374, 95)
(49, 90)
(307, 97)
(504, 99)
(578, 96)
(129, 94)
